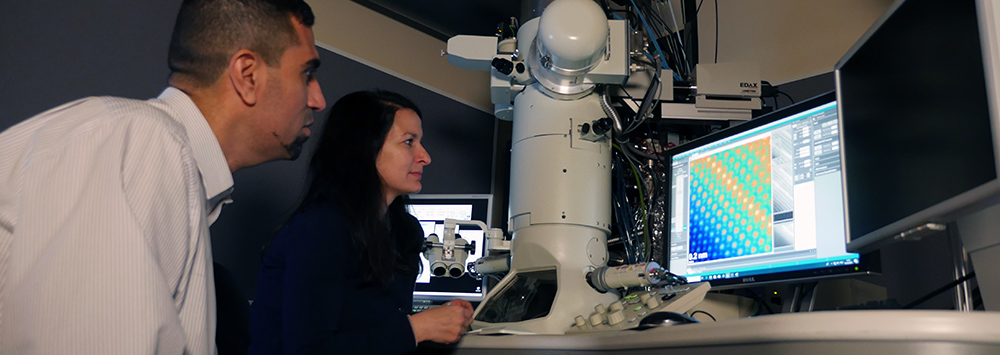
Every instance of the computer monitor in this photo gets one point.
(431, 211)
(917, 129)
(762, 202)
(919, 109)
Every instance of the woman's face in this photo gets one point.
(402, 159)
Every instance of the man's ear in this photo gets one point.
(246, 73)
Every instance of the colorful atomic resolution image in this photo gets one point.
(731, 203)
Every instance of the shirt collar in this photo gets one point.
(215, 174)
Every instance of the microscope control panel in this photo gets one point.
(630, 310)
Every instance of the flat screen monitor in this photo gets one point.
(762, 202)
(915, 99)
(431, 211)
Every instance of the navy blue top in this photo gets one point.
(312, 299)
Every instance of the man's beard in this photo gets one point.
(294, 149)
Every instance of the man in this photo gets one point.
(105, 203)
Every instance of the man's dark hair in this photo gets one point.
(208, 32)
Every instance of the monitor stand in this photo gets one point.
(980, 234)
(798, 297)
(962, 267)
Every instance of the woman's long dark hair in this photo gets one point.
(343, 170)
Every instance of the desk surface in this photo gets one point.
(833, 332)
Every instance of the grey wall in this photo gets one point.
(52, 52)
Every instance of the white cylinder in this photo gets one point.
(493, 264)
(456, 268)
(439, 268)
(556, 177)
(433, 255)
(652, 303)
(596, 319)
(616, 317)
(606, 278)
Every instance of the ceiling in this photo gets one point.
(443, 19)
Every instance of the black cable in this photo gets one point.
(679, 62)
(643, 154)
(760, 300)
(673, 52)
(716, 31)
(699, 6)
(705, 313)
(638, 224)
(655, 15)
(621, 208)
(940, 290)
(691, 46)
(670, 54)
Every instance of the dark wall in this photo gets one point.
(52, 52)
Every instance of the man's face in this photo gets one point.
(290, 96)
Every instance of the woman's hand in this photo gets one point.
(444, 324)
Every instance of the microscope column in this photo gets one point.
(560, 202)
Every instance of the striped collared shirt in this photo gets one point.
(105, 207)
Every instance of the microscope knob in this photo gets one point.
(644, 297)
(616, 317)
(504, 66)
(602, 126)
(652, 303)
(596, 319)
(616, 306)
(580, 321)
(600, 309)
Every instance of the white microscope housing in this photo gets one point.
(560, 181)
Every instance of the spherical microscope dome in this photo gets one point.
(573, 35)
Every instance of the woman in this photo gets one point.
(339, 276)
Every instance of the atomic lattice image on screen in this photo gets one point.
(731, 203)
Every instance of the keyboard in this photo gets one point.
(423, 305)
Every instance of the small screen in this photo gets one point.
(762, 201)
(431, 211)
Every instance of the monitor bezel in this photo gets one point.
(869, 263)
(970, 201)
